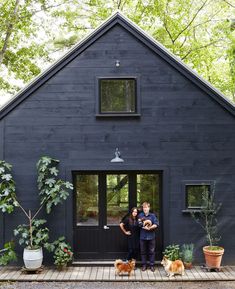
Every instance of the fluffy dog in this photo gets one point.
(124, 267)
(147, 223)
(172, 267)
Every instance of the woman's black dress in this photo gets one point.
(133, 239)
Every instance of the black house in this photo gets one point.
(119, 88)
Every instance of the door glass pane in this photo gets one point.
(87, 200)
(148, 188)
(117, 198)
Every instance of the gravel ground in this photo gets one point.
(118, 285)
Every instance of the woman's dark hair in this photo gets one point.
(131, 219)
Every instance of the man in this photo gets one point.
(147, 236)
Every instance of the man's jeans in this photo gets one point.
(147, 249)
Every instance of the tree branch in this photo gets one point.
(165, 23)
(198, 48)
(9, 31)
(191, 21)
(229, 3)
(21, 208)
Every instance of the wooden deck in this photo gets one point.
(107, 273)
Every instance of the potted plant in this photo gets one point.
(206, 218)
(172, 252)
(62, 252)
(7, 254)
(32, 236)
(187, 255)
(52, 191)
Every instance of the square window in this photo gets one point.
(117, 96)
(194, 195)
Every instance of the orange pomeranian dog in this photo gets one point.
(173, 267)
(124, 267)
(147, 223)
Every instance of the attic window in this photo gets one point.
(117, 96)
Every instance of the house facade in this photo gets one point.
(119, 88)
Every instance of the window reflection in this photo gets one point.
(87, 200)
(117, 197)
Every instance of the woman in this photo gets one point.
(129, 226)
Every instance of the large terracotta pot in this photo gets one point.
(32, 258)
(213, 257)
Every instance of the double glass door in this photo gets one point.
(101, 199)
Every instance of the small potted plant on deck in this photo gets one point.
(206, 218)
(62, 253)
(187, 255)
(52, 191)
(172, 252)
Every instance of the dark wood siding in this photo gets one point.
(182, 131)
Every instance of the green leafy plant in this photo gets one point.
(34, 239)
(206, 218)
(172, 252)
(62, 252)
(7, 254)
(52, 191)
(186, 253)
(7, 188)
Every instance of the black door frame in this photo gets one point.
(132, 196)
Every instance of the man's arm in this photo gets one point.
(155, 223)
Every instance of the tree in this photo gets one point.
(199, 32)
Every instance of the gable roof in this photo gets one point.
(149, 41)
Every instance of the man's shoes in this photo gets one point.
(144, 268)
(152, 268)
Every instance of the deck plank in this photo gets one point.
(107, 273)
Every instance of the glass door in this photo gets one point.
(101, 199)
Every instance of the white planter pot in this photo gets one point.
(32, 258)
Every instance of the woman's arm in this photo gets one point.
(123, 229)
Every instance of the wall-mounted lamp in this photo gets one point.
(117, 158)
(117, 63)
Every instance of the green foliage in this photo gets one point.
(187, 253)
(7, 188)
(172, 252)
(206, 217)
(199, 32)
(62, 251)
(18, 47)
(52, 190)
(40, 234)
(7, 254)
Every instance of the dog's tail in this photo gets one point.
(117, 262)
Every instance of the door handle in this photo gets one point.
(106, 227)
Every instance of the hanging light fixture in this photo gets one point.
(117, 63)
(117, 158)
